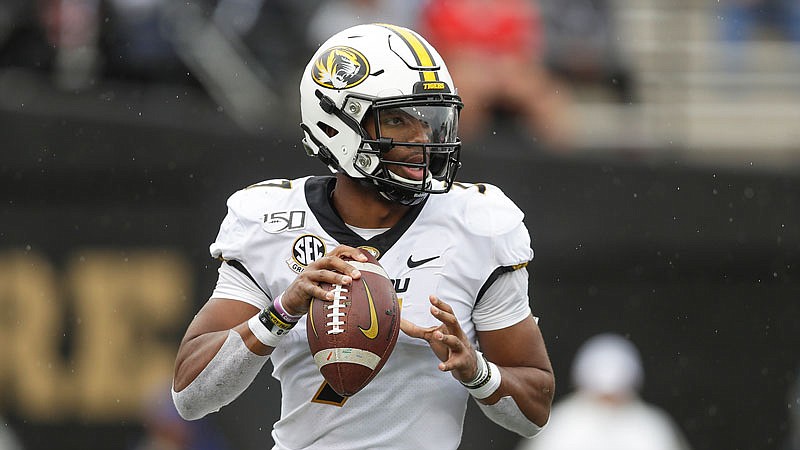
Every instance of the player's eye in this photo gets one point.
(393, 120)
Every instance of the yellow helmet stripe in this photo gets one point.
(419, 49)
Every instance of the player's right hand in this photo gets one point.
(447, 340)
(331, 268)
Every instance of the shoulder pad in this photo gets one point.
(251, 201)
(246, 208)
(489, 212)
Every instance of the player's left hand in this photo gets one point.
(447, 341)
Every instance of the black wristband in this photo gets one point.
(273, 321)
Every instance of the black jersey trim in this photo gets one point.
(318, 191)
(241, 268)
(495, 275)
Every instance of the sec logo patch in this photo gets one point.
(305, 250)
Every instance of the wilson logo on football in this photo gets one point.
(340, 68)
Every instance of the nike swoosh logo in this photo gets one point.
(411, 263)
(372, 331)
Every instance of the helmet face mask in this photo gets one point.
(424, 133)
(376, 104)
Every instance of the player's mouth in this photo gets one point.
(416, 172)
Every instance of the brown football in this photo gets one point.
(352, 336)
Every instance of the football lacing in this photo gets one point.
(336, 310)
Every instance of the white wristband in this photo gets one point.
(481, 374)
(261, 332)
(491, 385)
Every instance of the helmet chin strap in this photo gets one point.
(405, 198)
(392, 193)
(398, 194)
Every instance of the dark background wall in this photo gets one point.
(698, 266)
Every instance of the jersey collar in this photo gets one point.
(318, 191)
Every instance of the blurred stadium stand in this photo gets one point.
(705, 112)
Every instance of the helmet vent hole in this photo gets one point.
(327, 129)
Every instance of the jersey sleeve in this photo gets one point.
(232, 245)
(502, 300)
(232, 233)
(500, 306)
(492, 215)
(235, 285)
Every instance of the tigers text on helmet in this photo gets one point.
(388, 81)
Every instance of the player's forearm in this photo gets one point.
(531, 388)
(200, 388)
(194, 355)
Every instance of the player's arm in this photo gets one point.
(228, 341)
(206, 334)
(514, 384)
(525, 370)
(219, 357)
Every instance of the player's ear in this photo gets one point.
(327, 129)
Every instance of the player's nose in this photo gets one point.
(420, 134)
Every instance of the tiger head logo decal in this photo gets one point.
(340, 68)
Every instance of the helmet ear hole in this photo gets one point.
(327, 129)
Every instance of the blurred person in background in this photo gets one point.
(605, 412)
(743, 21)
(136, 43)
(495, 50)
(72, 28)
(164, 429)
(57, 36)
(8, 439)
(583, 46)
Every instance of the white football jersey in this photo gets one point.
(452, 245)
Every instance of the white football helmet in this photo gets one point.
(360, 74)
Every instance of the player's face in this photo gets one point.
(416, 125)
(399, 125)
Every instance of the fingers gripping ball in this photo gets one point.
(352, 336)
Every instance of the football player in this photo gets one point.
(379, 108)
